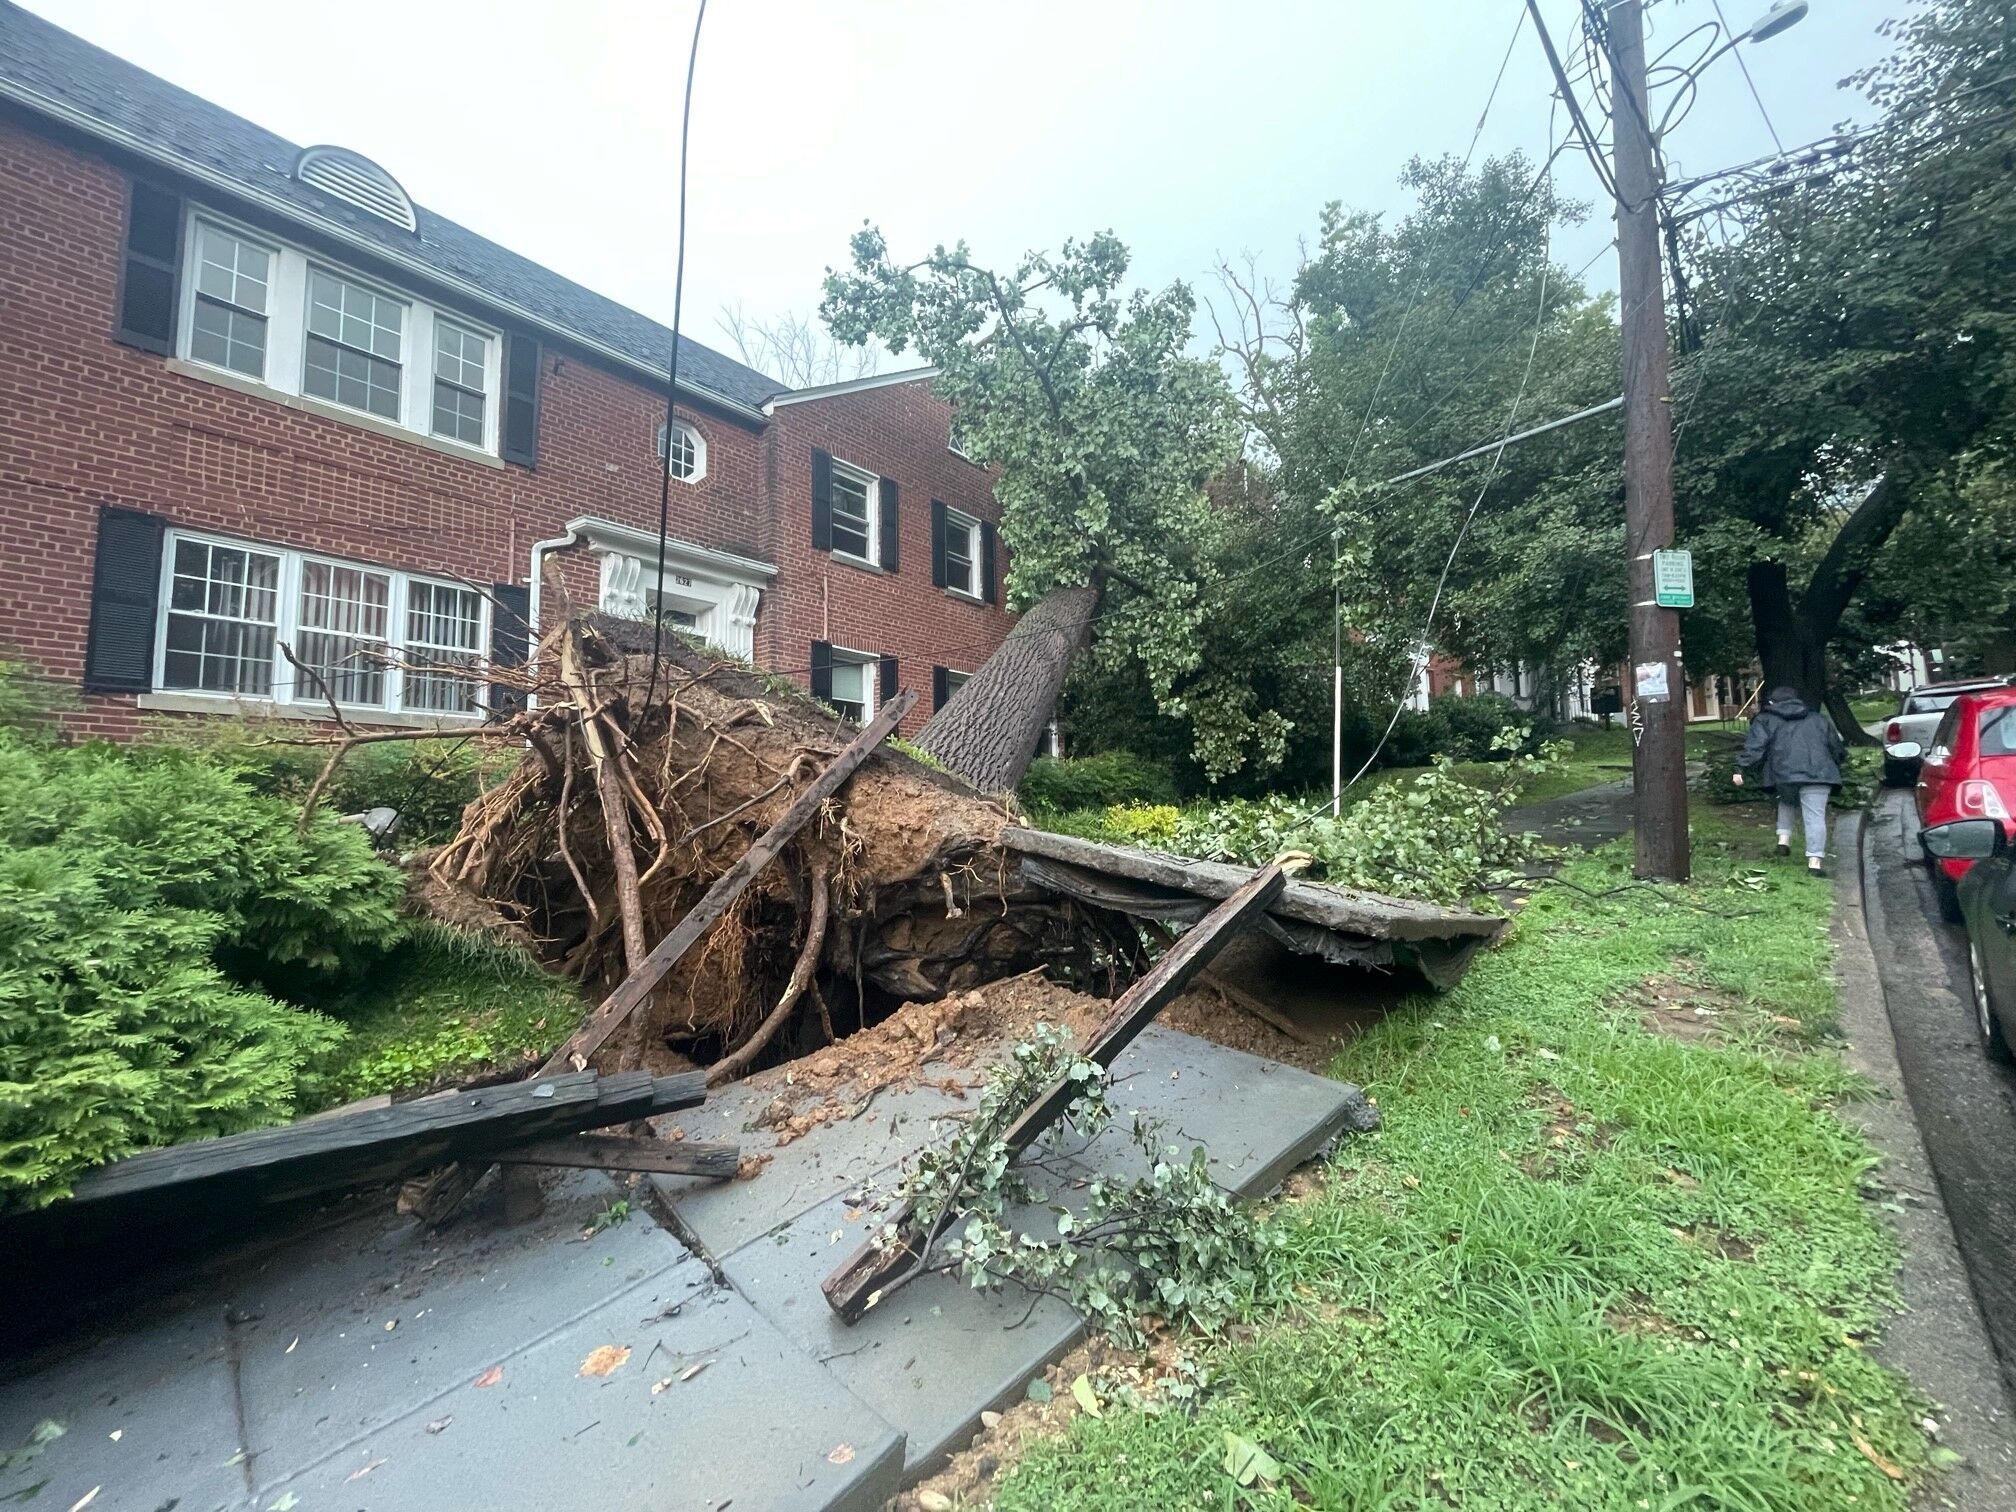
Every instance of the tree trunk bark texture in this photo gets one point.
(989, 731)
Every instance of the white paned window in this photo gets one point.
(229, 325)
(686, 457)
(344, 619)
(444, 648)
(373, 638)
(223, 613)
(461, 380)
(962, 553)
(353, 344)
(262, 312)
(854, 501)
(854, 685)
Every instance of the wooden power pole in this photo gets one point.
(1657, 686)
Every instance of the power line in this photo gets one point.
(1775, 142)
(672, 364)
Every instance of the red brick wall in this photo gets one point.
(898, 431)
(85, 421)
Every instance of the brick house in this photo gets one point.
(253, 402)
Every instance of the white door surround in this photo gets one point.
(721, 590)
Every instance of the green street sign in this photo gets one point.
(1673, 579)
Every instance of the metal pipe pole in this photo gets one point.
(1336, 677)
(1658, 687)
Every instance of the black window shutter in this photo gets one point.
(148, 276)
(885, 685)
(125, 593)
(510, 637)
(822, 500)
(989, 594)
(937, 543)
(941, 688)
(521, 399)
(888, 525)
(822, 671)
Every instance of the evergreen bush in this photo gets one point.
(145, 897)
(1054, 784)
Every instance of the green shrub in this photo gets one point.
(1437, 835)
(1054, 784)
(1143, 823)
(428, 781)
(1463, 729)
(143, 899)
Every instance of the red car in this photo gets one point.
(1969, 772)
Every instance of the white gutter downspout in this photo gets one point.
(572, 537)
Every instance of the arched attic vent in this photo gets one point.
(356, 180)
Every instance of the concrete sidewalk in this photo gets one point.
(1939, 1339)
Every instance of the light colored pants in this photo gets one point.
(1811, 808)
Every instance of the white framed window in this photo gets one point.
(353, 345)
(854, 679)
(856, 502)
(686, 457)
(370, 637)
(268, 313)
(461, 381)
(962, 554)
(228, 315)
(222, 624)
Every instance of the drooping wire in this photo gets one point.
(1758, 98)
(672, 367)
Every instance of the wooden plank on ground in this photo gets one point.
(373, 1144)
(615, 1152)
(631, 992)
(1371, 915)
(873, 1271)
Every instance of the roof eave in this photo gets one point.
(92, 126)
(848, 386)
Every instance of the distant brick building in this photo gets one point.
(253, 401)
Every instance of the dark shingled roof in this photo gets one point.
(44, 67)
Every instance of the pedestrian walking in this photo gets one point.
(1797, 753)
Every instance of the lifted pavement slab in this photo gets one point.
(938, 1353)
(1939, 1339)
(281, 1378)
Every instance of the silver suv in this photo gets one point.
(1907, 734)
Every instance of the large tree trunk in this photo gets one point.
(989, 732)
(1792, 640)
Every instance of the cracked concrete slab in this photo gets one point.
(1256, 1119)
(723, 1216)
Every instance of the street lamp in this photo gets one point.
(1781, 17)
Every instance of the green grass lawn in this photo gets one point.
(1872, 710)
(1584, 1264)
(441, 1006)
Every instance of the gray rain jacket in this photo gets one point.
(1794, 745)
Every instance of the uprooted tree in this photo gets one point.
(1102, 433)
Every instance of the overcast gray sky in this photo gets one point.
(1190, 127)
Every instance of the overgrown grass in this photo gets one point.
(1584, 1265)
(443, 1005)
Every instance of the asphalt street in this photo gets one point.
(1965, 1104)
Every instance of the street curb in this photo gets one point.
(1945, 1348)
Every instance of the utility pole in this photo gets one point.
(1657, 684)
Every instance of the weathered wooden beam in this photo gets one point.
(631, 992)
(874, 1270)
(373, 1144)
(615, 1152)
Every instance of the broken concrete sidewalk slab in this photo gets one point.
(477, 1384)
(936, 1355)
(1257, 1119)
(148, 1415)
(833, 1157)
(738, 1414)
